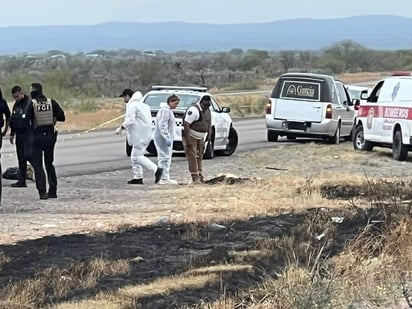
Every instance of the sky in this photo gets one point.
(91, 12)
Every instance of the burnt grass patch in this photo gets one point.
(161, 251)
(381, 190)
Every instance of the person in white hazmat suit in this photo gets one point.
(138, 125)
(126, 95)
(164, 135)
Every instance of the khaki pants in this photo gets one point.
(194, 149)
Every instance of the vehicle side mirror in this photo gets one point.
(225, 109)
(364, 95)
(356, 104)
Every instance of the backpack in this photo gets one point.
(11, 173)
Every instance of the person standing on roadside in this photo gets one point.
(196, 131)
(19, 133)
(126, 95)
(138, 124)
(4, 122)
(43, 114)
(164, 135)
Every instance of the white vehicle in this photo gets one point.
(355, 91)
(355, 95)
(224, 137)
(309, 105)
(385, 119)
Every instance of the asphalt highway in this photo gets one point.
(102, 151)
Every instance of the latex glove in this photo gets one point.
(118, 131)
(168, 143)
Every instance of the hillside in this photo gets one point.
(373, 31)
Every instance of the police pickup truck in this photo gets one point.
(224, 137)
(385, 118)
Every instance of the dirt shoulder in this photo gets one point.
(104, 201)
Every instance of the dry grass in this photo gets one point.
(359, 277)
(128, 296)
(106, 110)
(368, 271)
(362, 77)
(58, 282)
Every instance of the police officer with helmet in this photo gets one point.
(43, 114)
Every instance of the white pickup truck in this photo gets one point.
(385, 118)
(224, 138)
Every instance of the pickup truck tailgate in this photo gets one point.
(298, 110)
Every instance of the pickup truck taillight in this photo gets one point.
(269, 107)
(329, 111)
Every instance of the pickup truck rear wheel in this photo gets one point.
(359, 142)
(272, 136)
(399, 150)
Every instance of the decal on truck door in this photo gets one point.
(387, 112)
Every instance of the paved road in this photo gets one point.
(82, 154)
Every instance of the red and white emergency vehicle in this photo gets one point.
(385, 118)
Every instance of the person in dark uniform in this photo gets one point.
(19, 133)
(43, 114)
(4, 122)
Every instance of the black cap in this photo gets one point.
(126, 92)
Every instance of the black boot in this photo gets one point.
(158, 174)
(135, 181)
(52, 192)
(19, 184)
(43, 196)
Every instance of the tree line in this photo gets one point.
(105, 73)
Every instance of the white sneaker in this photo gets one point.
(167, 182)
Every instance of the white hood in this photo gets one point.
(138, 121)
(137, 96)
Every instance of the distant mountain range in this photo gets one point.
(372, 31)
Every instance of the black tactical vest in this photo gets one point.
(43, 113)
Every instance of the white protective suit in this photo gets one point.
(163, 138)
(138, 123)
